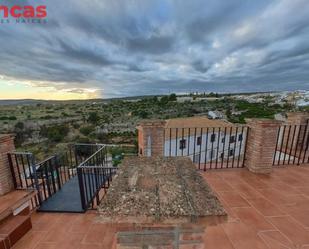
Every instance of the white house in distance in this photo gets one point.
(215, 115)
(204, 140)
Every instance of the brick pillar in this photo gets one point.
(6, 181)
(261, 144)
(151, 138)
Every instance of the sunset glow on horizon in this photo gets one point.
(23, 91)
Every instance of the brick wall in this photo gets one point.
(6, 182)
(151, 138)
(261, 144)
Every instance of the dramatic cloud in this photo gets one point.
(133, 47)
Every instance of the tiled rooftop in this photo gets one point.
(270, 212)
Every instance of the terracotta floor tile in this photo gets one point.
(81, 226)
(246, 191)
(288, 190)
(68, 218)
(109, 237)
(278, 197)
(276, 240)
(252, 218)
(233, 199)
(243, 237)
(209, 175)
(60, 233)
(90, 246)
(30, 240)
(219, 185)
(266, 208)
(46, 246)
(216, 238)
(256, 183)
(304, 190)
(302, 216)
(290, 228)
(95, 234)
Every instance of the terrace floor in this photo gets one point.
(270, 212)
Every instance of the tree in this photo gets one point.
(19, 133)
(19, 126)
(143, 114)
(173, 97)
(164, 100)
(54, 133)
(93, 118)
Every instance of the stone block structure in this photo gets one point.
(6, 181)
(165, 201)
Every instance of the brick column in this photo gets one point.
(6, 181)
(261, 144)
(151, 138)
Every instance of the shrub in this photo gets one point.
(86, 130)
(93, 117)
(55, 133)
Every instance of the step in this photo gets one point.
(4, 242)
(13, 229)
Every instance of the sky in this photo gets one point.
(104, 48)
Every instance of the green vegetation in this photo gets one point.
(86, 130)
(55, 133)
(253, 110)
(41, 127)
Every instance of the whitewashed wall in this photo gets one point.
(172, 147)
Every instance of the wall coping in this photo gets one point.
(149, 123)
(263, 121)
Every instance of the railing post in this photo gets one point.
(36, 180)
(261, 144)
(57, 164)
(12, 170)
(81, 188)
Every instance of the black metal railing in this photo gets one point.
(94, 177)
(46, 177)
(22, 166)
(292, 145)
(208, 147)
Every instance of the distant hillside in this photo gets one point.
(4, 102)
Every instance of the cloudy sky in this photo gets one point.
(113, 48)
